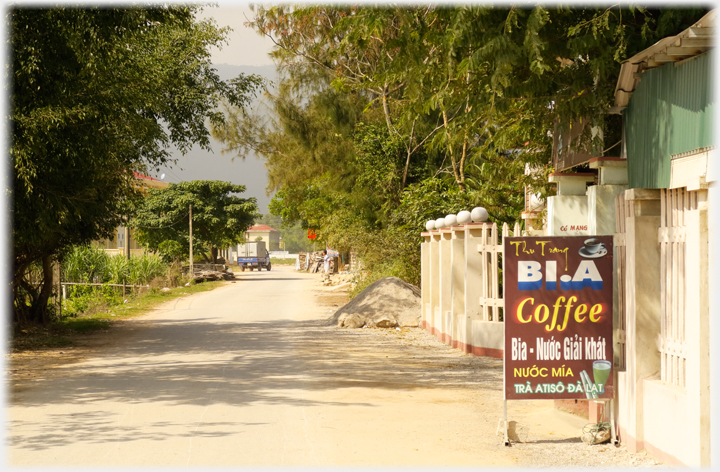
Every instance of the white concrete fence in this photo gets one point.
(462, 301)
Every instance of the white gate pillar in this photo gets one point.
(642, 311)
(442, 323)
(457, 286)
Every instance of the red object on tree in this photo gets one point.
(311, 234)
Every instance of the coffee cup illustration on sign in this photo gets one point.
(593, 249)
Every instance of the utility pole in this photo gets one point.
(127, 242)
(192, 272)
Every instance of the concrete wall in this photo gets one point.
(567, 215)
(487, 338)
(454, 273)
(601, 208)
(666, 428)
(671, 422)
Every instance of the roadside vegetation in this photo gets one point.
(86, 308)
(97, 94)
(294, 236)
(278, 261)
(386, 117)
(63, 332)
(220, 219)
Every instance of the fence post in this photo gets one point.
(425, 279)
(434, 282)
(445, 285)
(457, 286)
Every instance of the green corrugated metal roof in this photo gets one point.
(670, 112)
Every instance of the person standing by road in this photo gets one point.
(326, 261)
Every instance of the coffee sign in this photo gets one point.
(558, 317)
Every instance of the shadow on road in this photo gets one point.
(206, 362)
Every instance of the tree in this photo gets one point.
(464, 96)
(95, 94)
(219, 218)
(294, 237)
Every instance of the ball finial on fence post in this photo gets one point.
(464, 217)
(479, 215)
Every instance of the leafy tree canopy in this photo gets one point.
(219, 218)
(388, 116)
(95, 94)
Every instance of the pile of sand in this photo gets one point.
(386, 303)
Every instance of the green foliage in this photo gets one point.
(87, 300)
(90, 264)
(63, 332)
(95, 94)
(294, 236)
(288, 261)
(170, 251)
(219, 217)
(386, 117)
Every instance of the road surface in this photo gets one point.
(249, 375)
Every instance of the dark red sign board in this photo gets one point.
(558, 317)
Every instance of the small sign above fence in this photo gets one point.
(558, 317)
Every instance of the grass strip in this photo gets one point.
(60, 333)
(287, 261)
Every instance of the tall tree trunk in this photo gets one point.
(457, 173)
(409, 153)
(214, 254)
(39, 310)
(463, 156)
(386, 108)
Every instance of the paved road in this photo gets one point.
(248, 375)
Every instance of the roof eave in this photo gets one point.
(696, 40)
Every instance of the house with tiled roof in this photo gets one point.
(261, 232)
(146, 182)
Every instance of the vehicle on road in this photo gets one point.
(253, 256)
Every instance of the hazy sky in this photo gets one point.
(245, 46)
(245, 52)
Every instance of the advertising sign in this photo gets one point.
(558, 317)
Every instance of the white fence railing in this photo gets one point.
(462, 301)
(623, 209)
(675, 204)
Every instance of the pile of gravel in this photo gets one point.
(386, 303)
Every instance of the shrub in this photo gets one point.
(141, 270)
(170, 251)
(89, 264)
(85, 264)
(87, 300)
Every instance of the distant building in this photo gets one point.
(123, 235)
(270, 235)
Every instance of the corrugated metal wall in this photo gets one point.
(670, 112)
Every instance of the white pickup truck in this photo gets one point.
(253, 256)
